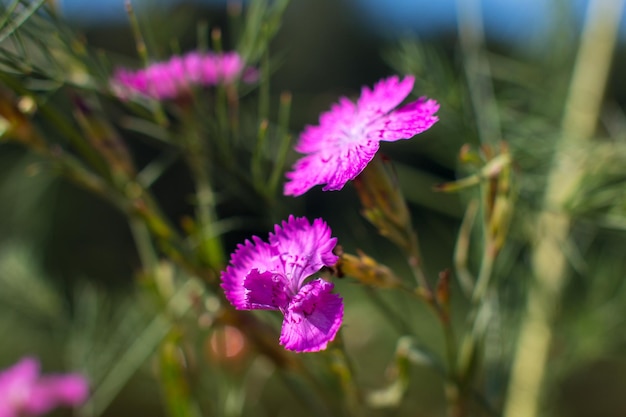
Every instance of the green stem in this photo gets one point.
(485, 273)
(18, 21)
(414, 260)
(386, 207)
(461, 250)
(478, 71)
(284, 141)
(345, 371)
(177, 390)
(453, 390)
(142, 51)
(143, 241)
(210, 246)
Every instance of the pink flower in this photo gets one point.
(23, 391)
(271, 276)
(348, 136)
(170, 79)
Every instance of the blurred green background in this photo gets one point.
(68, 264)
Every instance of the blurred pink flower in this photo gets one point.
(271, 276)
(170, 79)
(23, 391)
(349, 135)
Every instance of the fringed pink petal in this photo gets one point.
(304, 248)
(333, 170)
(312, 318)
(406, 122)
(384, 97)
(332, 131)
(250, 255)
(348, 135)
(266, 290)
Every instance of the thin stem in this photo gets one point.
(425, 292)
(142, 51)
(476, 320)
(196, 152)
(344, 369)
(477, 70)
(256, 162)
(485, 273)
(386, 208)
(461, 250)
(143, 241)
(211, 243)
(414, 259)
(284, 141)
(15, 23)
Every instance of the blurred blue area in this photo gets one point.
(401, 16)
(507, 20)
(102, 12)
(106, 12)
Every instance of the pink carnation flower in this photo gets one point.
(170, 79)
(348, 136)
(271, 276)
(23, 391)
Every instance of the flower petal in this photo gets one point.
(24, 392)
(332, 129)
(384, 97)
(175, 77)
(303, 248)
(56, 390)
(193, 63)
(248, 256)
(26, 371)
(348, 135)
(229, 65)
(266, 290)
(312, 318)
(16, 386)
(405, 122)
(334, 167)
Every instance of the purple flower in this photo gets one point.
(348, 135)
(271, 276)
(23, 391)
(170, 79)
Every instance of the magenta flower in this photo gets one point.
(23, 391)
(271, 276)
(170, 79)
(349, 135)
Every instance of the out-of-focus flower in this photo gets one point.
(23, 391)
(348, 136)
(176, 77)
(271, 276)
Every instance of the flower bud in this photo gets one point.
(383, 203)
(367, 271)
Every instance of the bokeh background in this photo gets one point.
(68, 263)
